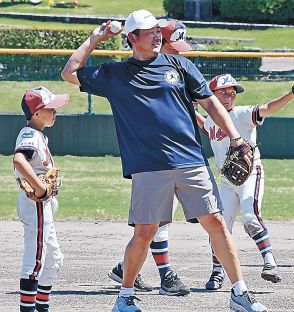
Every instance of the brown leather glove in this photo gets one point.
(236, 169)
(50, 178)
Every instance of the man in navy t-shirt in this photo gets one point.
(173, 42)
(151, 98)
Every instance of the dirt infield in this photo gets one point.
(91, 249)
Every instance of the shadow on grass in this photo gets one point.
(68, 4)
(84, 6)
(16, 3)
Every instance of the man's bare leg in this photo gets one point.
(223, 245)
(136, 252)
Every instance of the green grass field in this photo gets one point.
(271, 38)
(256, 93)
(87, 7)
(93, 187)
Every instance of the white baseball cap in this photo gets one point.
(225, 81)
(141, 19)
(175, 34)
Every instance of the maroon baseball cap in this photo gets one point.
(175, 34)
(40, 97)
(225, 81)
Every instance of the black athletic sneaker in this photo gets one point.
(215, 281)
(271, 273)
(171, 285)
(116, 274)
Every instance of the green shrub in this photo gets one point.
(215, 7)
(284, 14)
(174, 8)
(49, 39)
(266, 11)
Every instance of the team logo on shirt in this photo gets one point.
(172, 76)
(28, 134)
(218, 135)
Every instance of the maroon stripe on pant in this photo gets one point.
(256, 193)
(40, 218)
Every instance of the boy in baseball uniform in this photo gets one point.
(42, 256)
(246, 198)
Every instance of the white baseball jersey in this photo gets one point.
(245, 121)
(36, 141)
(246, 198)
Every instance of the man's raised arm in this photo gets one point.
(80, 56)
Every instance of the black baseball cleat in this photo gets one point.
(215, 281)
(116, 274)
(171, 285)
(271, 273)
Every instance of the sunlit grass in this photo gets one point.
(270, 38)
(257, 92)
(87, 7)
(93, 187)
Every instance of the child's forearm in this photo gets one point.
(24, 168)
(276, 104)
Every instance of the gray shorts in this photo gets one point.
(153, 193)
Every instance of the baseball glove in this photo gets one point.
(235, 167)
(50, 178)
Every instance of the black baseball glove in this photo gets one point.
(235, 167)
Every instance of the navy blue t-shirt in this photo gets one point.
(152, 108)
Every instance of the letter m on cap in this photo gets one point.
(181, 35)
(226, 79)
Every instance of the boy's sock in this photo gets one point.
(161, 257)
(42, 300)
(28, 291)
(263, 243)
